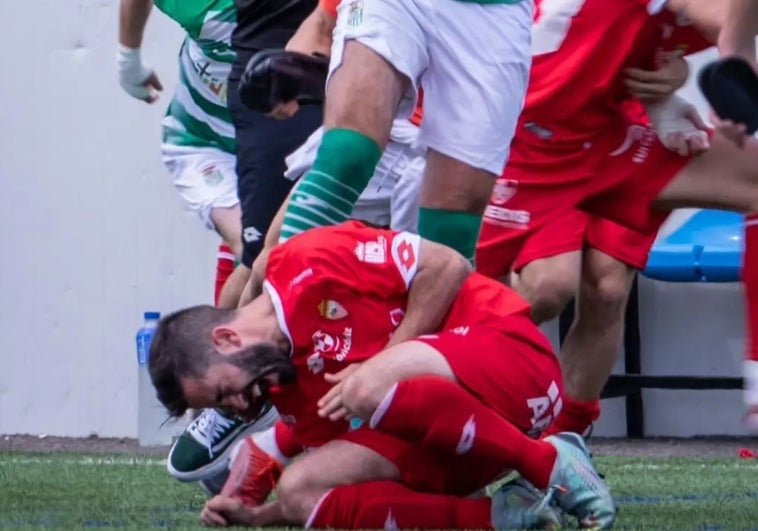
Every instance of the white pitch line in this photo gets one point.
(87, 461)
(155, 461)
(738, 465)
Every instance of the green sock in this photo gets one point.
(325, 195)
(459, 230)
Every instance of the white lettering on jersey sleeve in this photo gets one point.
(406, 252)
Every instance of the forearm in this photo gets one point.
(133, 15)
(258, 273)
(737, 36)
(314, 34)
(430, 296)
(707, 16)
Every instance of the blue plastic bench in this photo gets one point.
(706, 248)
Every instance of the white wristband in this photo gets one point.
(132, 72)
(670, 116)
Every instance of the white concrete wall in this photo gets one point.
(92, 231)
(93, 234)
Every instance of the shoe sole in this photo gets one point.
(221, 462)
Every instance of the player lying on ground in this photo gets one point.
(576, 147)
(332, 300)
(607, 270)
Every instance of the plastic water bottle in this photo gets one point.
(151, 415)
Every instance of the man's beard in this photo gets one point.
(266, 365)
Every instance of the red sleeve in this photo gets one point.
(330, 6)
(351, 255)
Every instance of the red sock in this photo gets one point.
(750, 290)
(576, 416)
(285, 440)
(462, 425)
(391, 505)
(224, 267)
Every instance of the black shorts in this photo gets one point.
(262, 145)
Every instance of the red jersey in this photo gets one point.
(580, 50)
(339, 294)
(675, 34)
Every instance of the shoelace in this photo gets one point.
(208, 427)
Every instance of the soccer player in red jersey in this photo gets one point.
(576, 146)
(453, 380)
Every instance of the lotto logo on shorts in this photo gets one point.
(355, 13)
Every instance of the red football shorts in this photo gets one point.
(617, 179)
(511, 368)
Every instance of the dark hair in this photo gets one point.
(182, 347)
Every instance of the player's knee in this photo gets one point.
(548, 303)
(549, 284)
(604, 292)
(548, 294)
(362, 393)
(297, 494)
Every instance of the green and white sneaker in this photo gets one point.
(582, 492)
(202, 451)
(517, 504)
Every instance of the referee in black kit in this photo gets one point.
(263, 142)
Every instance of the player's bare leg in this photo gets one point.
(233, 288)
(345, 485)
(361, 102)
(591, 346)
(549, 284)
(228, 223)
(307, 479)
(453, 198)
(589, 350)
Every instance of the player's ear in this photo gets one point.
(226, 340)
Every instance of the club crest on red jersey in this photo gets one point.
(330, 345)
(504, 189)
(332, 310)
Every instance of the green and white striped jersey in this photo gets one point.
(197, 115)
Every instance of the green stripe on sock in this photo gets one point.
(344, 164)
(458, 230)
